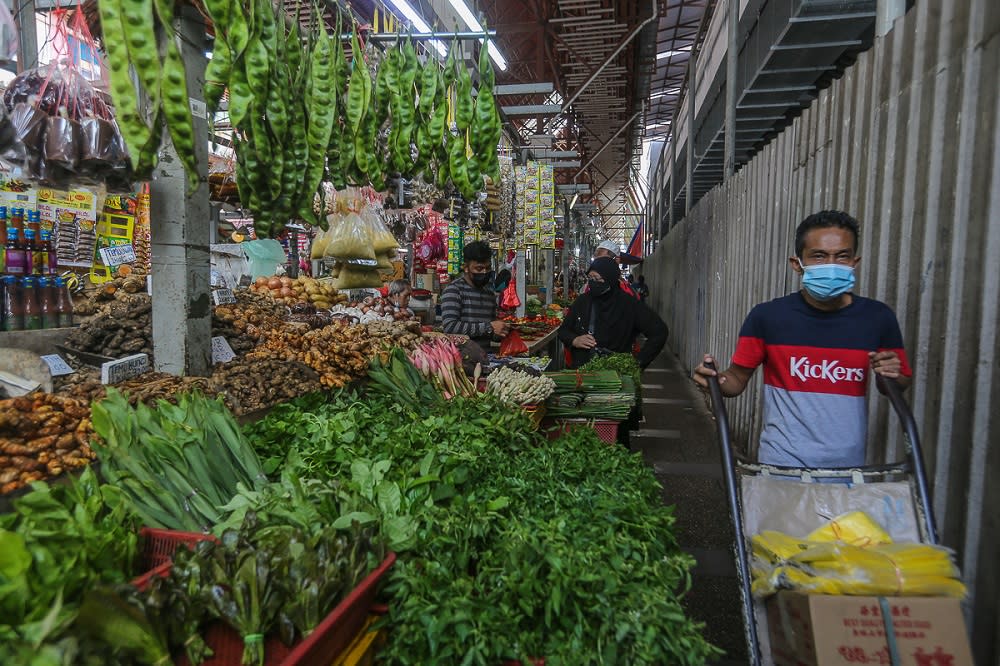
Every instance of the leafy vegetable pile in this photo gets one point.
(178, 464)
(511, 547)
(58, 542)
(259, 580)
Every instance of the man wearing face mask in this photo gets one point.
(469, 304)
(818, 347)
(607, 320)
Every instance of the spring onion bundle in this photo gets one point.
(177, 464)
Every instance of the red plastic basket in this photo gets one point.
(333, 635)
(158, 549)
(607, 431)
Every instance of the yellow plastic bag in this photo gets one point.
(855, 527)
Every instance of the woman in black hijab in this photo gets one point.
(606, 319)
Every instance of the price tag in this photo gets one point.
(198, 108)
(116, 255)
(57, 366)
(115, 372)
(221, 351)
(245, 281)
(149, 285)
(223, 296)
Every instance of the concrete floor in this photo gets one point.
(678, 440)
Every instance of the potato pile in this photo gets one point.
(302, 289)
(42, 435)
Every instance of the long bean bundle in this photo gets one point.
(576, 381)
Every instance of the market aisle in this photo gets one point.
(678, 441)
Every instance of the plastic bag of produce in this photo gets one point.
(382, 239)
(357, 277)
(350, 239)
(320, 242)
(264, 256)
(513, 345)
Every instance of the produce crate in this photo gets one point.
(326, 643)
(536, 412)
(158, 549)
(607, 431)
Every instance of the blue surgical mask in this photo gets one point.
(827, 281)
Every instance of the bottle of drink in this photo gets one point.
(30, 250)
(13, 313)
(30, 305)
(34, 219)
(46, 257)
(64, 304)
(47, 303)
(15, 262)
(17, 221)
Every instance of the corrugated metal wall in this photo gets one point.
(908, 141)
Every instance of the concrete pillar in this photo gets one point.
(521, 278)
(692, 87)
(550, 263)
(567, 220)
(731, 55)
(27, 35)
(673, 173)
(180, 220)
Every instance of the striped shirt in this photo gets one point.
(466, 310)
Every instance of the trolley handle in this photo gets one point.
(736, 515)
(914, 452)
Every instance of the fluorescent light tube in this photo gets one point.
(420, 24)
(474, 25)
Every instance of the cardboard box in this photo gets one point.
(428, 281)
(823, 630)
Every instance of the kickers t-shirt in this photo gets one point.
(816, 371)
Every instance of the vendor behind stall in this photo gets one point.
(469, 304)
(398, 293)
(607, 320)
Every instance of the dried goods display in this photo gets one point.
(42, 435)
(117, 327)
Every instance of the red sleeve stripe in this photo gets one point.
(907, 371)
(749, 352)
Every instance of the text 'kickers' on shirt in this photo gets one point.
(816, 369)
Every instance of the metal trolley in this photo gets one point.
(736, 470)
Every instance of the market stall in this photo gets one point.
(223, 437)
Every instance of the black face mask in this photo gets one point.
(480, 280)
(599, 289)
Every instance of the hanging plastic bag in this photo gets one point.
(321, 241)
(513, 345)
(357, 277)
(382, 239)
(264, 256)
(351, 239)
(510, 300)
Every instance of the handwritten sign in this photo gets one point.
(221, 351)
(115, 372)
(223, 296)
(57, 366)
(116, 255)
